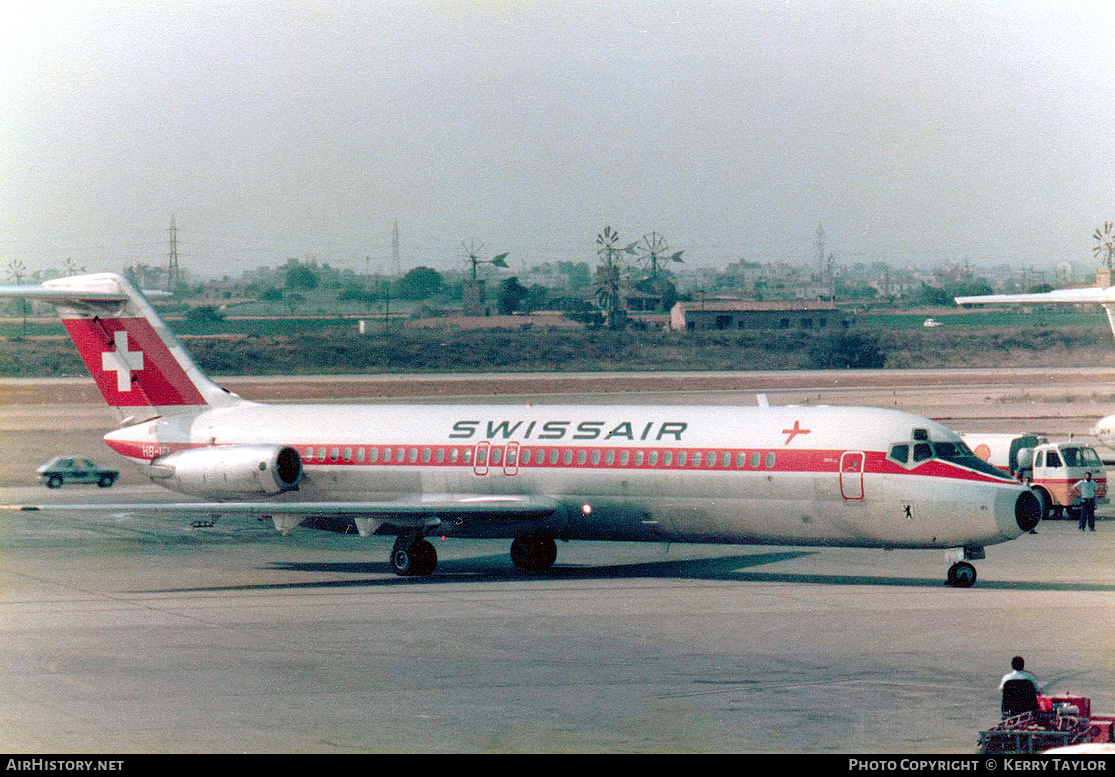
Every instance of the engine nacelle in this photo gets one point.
(222, 471)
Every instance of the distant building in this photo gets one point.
(711, 315)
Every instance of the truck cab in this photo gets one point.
(1055, 467)
(1050, 468)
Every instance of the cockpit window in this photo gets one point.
(1052, 459)
(950, 451)
(959, 453)
(954, 452)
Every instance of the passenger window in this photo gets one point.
(770, 460)
(900, 453)
(923, 451)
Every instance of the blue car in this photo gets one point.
(72, 469)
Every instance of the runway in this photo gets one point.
(128, 635)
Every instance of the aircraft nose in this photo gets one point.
(1027, 510)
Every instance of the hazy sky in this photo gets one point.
(915, 132)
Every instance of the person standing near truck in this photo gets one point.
(1086, 490)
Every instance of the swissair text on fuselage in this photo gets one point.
(560, 430)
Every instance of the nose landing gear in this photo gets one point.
(961, 575)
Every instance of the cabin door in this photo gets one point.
(851, 474)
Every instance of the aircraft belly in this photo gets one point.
(785, 508)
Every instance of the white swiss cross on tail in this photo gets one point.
(122, 361)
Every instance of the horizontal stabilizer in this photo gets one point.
(135, 360)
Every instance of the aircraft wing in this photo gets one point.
(1086, 294)
(420, 510)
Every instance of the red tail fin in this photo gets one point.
(136, 361)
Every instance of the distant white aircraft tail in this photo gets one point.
(136, 361)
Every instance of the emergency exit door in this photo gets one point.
(851, 474)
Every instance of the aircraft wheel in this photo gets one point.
(533, 553)
(427, 557)
(962, 575)
(414, 558)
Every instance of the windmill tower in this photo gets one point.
(653, 252)
(609, 277)
(473, 297)
(1104, 249)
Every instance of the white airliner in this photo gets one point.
(821, 476)
(1104, 430)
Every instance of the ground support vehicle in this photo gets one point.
(1051, 467)
(1060, 720)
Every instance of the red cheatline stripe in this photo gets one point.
(583, 458)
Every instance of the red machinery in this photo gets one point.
(1061, 719)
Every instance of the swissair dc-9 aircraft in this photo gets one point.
(1104, 430)
(834, 476)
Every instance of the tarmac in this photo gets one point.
(121, 634)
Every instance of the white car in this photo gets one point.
(74, 469)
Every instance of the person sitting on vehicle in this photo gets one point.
(1019, 689)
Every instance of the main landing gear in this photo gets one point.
(533, 553)
(412, 556)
